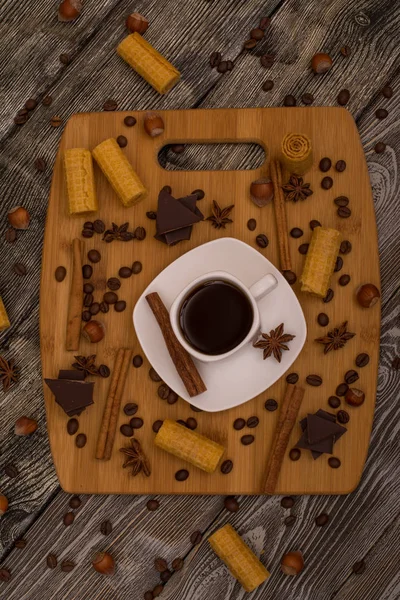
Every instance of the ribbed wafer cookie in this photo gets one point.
(240, 560)
(149, 63)
(297, 153)
(320, 261)
(79, 177)
(189, 445)
(4, 320)
(119, 172)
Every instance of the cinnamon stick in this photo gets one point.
(75, 299)
(286, 421)
(116, 404)
(280, 216)
(182, 360)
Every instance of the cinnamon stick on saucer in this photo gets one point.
(180, 357)
(75, 299)
(280, 216)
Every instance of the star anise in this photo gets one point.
(219, 217)
(296, 189)
(86, 364)
(274, 343)
(336, 338)
(8, 373)
(136, 458)
(118, 232)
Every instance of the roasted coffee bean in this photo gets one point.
(252, 422)
(289, 100)
(65, 59)
(152, 505)
(222, 67)
(267, 60)
(136, 267)
(106, 528)
(94, 309)
(287, 502)
(238, 424)
(327, 183)
(20, 544)
(338, 264)
(47, 100)
(110, 297)
(125, 272)
(294, 454)
(345, 51)
(292, 378)
(126, 430)
(152, 215)
(11, 470)
(191, 423)
(55, 121)
(31, 103)
(163, 391)
(110, 105)
(178, 148)
(177, 564)
(130, 409)
(122, 141)
(11, 236)
(251, 224)
(20, 269)
(314, 380)
(181, 475)
(167, 188)
(75, 502)
(296, 232)
(329, 296)
(88, 225)
(307, 99)
(325, 164)
(340, 166)
(381, 113)
(215, 59)
(87, 233)
(257, 34)
(160, 564)
(341, 201)
(68, 519)
(88, 300)
(140, 233)
(290, 520)
(248, 45)
(303, 248)
(344, 280)
(262, 240)
(60, 273)
(157, 590)
(334, 401)
(5, 574)
(334, 462)
(157, 425)
(154, 376)
(99, 226)
(343, 97)
(94, 256)
(67, 566)
(86, 316)
(196, 538)
(80, 440)
(231, 504)
(51, 561)
(130, 121)
(113, 283)
(40, 164)
(199, 193)
(343, 417)
(226, 467)
(195, 408)
(342, 389)
(380, 147)
(323, 319)
(268, 85)
(72, 426)
(387, 91)
(87, 271)
(264, 22)
(344, 212)
(351, 377)
(290, 277)
(21, 119)
(359, 567)
(314, 223)
(104, 307)
(137, 361)
(322, 520)
(362, 359)
(345, 247)
(246, 440)
(120, 306)
(270, 405)
(104, 371)
(136, 422)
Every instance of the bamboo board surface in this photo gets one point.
(334, 134)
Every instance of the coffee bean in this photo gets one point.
(343, 417)
(341, 201)
(47, 100)
(110, 297)
(262, 240)
(294, 454)
(215, 59)
(130, 121)
(167, 188)
(67, 566)
(231, 504)
(88, 225)
(264, 22)
(290, 277)
(40, 164)
(65, 59)
(344, 212)
(55, 121)
(94, 256)
(290, 520)
(323, 319)
(195, 408)
(381, 113)
(60, 273)
(362, 359)
(5, 574)
(196, 538)
(345, 247)
(329, 296)
(160, 564)
(303, 248)
(238, 424)
(314, 380)
(51, 561)
(338, 264)
(87, 233)
(344, 280)
(10, 235)
(252, 422)
(340, 166)
(104, 307)
(267, 60)
(140, 233)
(292, 378)
(199, 193)
(20, 544)
(110, 105)
(163, 391)
(137, 361)
(314, 223)
(268, 85)
(11, 470)
(248, 45)
(122, 141)
(87, 271)
(136, 422)
(152, 505)
(334, 462)
(98, 226)
(270, 405)
(72, 426)
(120, 306)
(31, 103)
(106, 528)
(104, 371)
(19, 269)
(136, 267)
(307, 99)
(251, 224)
(177, 564)
(334, 401)
(75, 502)
(327, 183)
(178, 148)
(86, 316)
(296, 232)
(130, 409)
(151, 215)
(94, 309)
(345, 51)
(191, 423)
(154, 376)
(246, 440)
(226, 467)
(287, 502)
(222, 67)
(342, 389)
(359, 567)
(21, 119)
(380, 147)
(322, 520)
(88, 300)
(325, 164)
(351, 377)
(343, 97)
(257, 34)
(126, 430)
(289, 100)
(80, 440)
(181, 475)
(157, 425)
(387, 91)
(68, 519)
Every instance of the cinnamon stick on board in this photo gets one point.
(280, 216)
(182, 360)
(75, 298)
(117, 404)
(286, 421)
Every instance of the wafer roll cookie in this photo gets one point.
(4, 320)
(240, 560)
(320, 261)
(80, 181)
(189, 445)
(119, 172)
(149, 63)
(297, 153)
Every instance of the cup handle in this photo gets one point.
(263, 286)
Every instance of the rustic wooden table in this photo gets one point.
(364, 524)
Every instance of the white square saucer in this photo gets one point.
(245, 374)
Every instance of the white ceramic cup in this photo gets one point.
(256, 292)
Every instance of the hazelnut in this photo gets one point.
(25, 426)
(69, 10)
(3, 504)
(367, 295)
(93, 331)
(19, 217)
(103, 563)
(321, 63)
(354, 397)
(136, 22)
(153, 124)
(292, 563)
(262, 191)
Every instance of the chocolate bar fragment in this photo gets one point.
(172, 215)
(324, 433)
(72, 396)
(71, 374)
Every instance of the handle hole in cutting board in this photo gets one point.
(213, 157)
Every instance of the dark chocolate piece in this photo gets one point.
(72, 396)
(319, 428)
(179, 235)
(172, 215)
(325, 445)
(73, 375)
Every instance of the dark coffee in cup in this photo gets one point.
(215, 317)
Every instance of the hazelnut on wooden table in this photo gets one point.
(292, 563)
(321, 63)
(19, 217)
(262, 191)
(153, 124)
(136, 22)
(367, 295)
(354, 397)
(93, 331)
(25, 426)
(3, 504)
(69, 10)
(103, 563)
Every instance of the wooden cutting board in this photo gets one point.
(334, 134)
